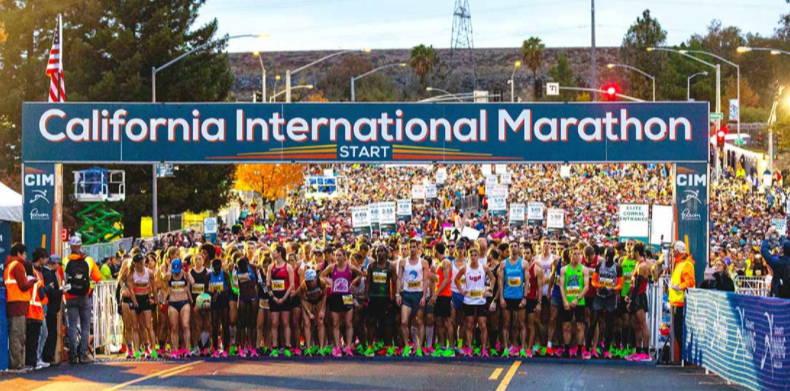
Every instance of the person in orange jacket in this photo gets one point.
(36, 312)
(682, 279)
(19, 286)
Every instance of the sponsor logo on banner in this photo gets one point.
(39, 195)
(36, 215)
(691, 203)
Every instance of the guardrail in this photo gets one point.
(752, 286)
(107, 323)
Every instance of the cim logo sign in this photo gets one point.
(39, 179)
(692, 179)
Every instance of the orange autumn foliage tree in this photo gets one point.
(270, 181)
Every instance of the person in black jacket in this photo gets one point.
(722, 281)
(55, 296)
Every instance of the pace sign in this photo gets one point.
(391, 132)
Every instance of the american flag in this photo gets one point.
(57, 87)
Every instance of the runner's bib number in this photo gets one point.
(216, 286)
(572, 290)
(198, 289)
(514, 281)
(348, 300)
(244, 277)
(607, 283)
(178, 286)
(278, 285)
(380, 277)
(476, 294)
(414, 284)
(263, 304)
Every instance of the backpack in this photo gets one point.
(78, 276)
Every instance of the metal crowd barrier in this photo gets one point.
(107, 323)
(100, 251)
(752, 285)
(656, 314)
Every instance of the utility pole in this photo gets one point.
(593, 62)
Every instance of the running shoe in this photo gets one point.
(233, 351)
(437, 352)
(418, 353)
(174, 354)
(326, 350)
(513, 351)
(348, 352)
(558, 351)
(586, 355)
(573, 352)
(392, 351)
(484, 353)
(253, 353)
(369, 352)
(406, 351)
(546, 350)
(643, 357)
(525, 353)
(223, 354)
(297, 352)
(429, 350)
(242, 353)
(129, 355)
(138, 354)
(274, 353)
(477, 351)
(147, 353)
(123, 350)
(607, 355)
(195, 352)
(360, 348)
(205, 352)
(337, 352)
(215, 354)
(448, 353)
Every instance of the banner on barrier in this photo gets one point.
(739, 337)
(360, 219)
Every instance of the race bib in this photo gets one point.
(414, 284)
(198, 289)
(216, 286)
(348, 300)
(178, 286)
(278, 285)
(758, 273)
(476, 294)
(514, 281)
(572, 290)
(380, 277)
(141, 285)
(607, 283)
(244, 277)
(263, 304)
(463, 280)
(627, 279)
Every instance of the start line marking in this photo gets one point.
(496, 374)
(508, 376)
(163, 374)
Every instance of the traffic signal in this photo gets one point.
(610, 91)
(257, 96)
(720, 134)
(538, 88)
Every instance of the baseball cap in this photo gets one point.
(309, 275)
(75, 241)
(176, 264)
(679, 246)
(54, 259)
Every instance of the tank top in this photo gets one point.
(216, 282)
(555, 292)
(453, 287)
(547, 263)
(315, 294)
(412, 276)
(514, 279)
(380, 285)
(642, 287)
(262, 286)
(574, 283)
(297, 279)
(628, 275)
(446, 292)
(592, 265)
(607, 278)
(178, 286)
(475, 285)
(246, 281)
(533, 282)
(280, 281)
(200, 282)
(141, 283)
(341, 280)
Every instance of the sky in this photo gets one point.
(380, 24)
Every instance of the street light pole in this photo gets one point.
(354, 78)
(688, 83)
(306, 86)
(738, 86)
(653, 79)
(512, 82)
(626, 97)
(154, 71)
(289, 72)
(263, 76)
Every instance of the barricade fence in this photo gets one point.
(753, 285)
(107, 323)
(100, 251)
(739, 337)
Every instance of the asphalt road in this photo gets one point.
(365, 374)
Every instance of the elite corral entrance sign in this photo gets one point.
(133, 133)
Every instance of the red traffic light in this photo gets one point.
(611, 91)
(720, 134)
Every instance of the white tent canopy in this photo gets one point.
(10, 204)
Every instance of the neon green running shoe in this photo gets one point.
(419, 352)
(369, 352)
(274, 353)
(406, 351)
(287, 353)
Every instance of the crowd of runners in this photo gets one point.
(298, 280)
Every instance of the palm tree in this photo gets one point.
(422, 61)
(532, 55)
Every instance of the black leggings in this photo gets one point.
(222, 315)
(608, 327)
